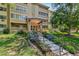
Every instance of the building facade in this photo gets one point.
(49, 20)
(26, 16)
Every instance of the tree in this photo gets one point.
(65, 16)
(59, 17)
(8, 14)
(77, 18)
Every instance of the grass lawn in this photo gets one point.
(3, 36)
(76, 34)
(10, 45)
(69, 43)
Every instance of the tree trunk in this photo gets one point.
(77, 30)
(8, 16)
(69, 32)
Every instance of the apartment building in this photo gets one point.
(26, 16)
(3, 15)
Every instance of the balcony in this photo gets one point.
(3, 21)
(15, 29)
(18, 21)
(43, 15)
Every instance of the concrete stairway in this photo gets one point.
(57, 50)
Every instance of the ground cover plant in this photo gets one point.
(15, 45)
(70, 43)
(65, 40)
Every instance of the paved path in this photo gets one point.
(54, 48)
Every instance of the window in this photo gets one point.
(1, 25)
(24, 17)
(2, 17)
(2, 9)
(20, 9)
(20, 17)
(13, 15)
(42, 14)
(17, 16)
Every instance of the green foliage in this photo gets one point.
(71, 44)
(76, 32)
(67, 43)
(27, 52)
(21, 33)
(44, 33)
(15, 45)
(1, 32)
(71, 49)
(64, 30)
(66, 16)
(6, 41)
(6, 31)
(57, 41)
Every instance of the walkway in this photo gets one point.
(54, 48)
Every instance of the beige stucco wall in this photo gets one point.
(32, 12)
(49, 20)
(3, 13)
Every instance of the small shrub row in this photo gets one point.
(70, 48)
(6, 31)
(21, 33)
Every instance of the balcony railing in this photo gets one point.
(17, 28)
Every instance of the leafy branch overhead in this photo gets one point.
(66, 16)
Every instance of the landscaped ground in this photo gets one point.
(15, 44)
(68, 42)
(10, 44)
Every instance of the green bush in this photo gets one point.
(70, 48)
(6, 31)
(64, 30)
(1, 32)
(21, 33)
(44, 33)
(6, 41)
(57, 41)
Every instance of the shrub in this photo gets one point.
(44, 33)
(21, 33)
(70, 48)
(57, 41)
(1, 32)
(6, 31)
(64, 30)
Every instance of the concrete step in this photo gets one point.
(54, 47)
